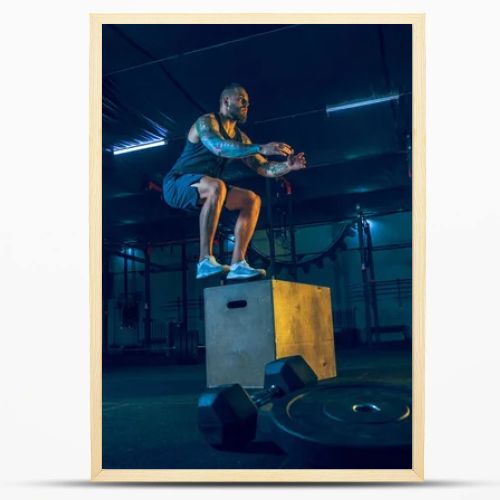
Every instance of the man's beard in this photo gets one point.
(237, 115)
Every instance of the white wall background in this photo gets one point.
(44, 430)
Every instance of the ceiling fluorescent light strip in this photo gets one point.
(359, 104)
(131, 149)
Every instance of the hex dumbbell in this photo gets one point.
(227, 415)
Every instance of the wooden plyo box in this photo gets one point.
(249, 324)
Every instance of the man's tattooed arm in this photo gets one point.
(262, 166)
(208, 130)
(277, 168)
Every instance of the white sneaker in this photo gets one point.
(242, 271)
(210, 267)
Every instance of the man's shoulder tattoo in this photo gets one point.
(206, 123)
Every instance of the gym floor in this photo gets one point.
(150, 411)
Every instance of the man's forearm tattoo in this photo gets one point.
(267, 168)
(277, 168)
(220, 146)
(230, 149)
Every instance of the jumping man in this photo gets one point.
(194, 182)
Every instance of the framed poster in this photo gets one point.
(284, 145)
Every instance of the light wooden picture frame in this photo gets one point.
(418, 251)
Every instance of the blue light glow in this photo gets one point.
(364, 102)
(131, 149)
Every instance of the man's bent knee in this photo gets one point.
(254, 200)
(217, 189)
(213, 188)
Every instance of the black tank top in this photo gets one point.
(198, 159)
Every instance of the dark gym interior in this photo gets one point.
(342, 94)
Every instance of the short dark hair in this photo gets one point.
(229, 89)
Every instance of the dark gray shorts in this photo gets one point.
(178, 192)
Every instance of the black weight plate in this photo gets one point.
(350, 425)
